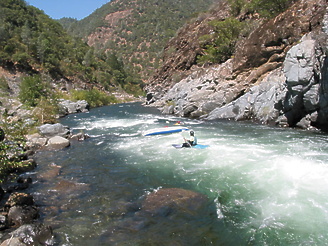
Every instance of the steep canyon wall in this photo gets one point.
(278, 75)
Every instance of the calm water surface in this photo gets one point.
(266, 186)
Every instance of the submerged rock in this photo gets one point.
(174, 200)
(159, 219)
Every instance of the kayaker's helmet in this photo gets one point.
(192, 133)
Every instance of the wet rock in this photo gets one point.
(81, 136)
(19, 199)
(58, 142)
(160, 217)
(24, 180)
(66, 186)
(51, 130)
(50, 173)
(22, 183)
(21, 215)
(3, 222)
(17, 187)
(14, 241)
(36, 234)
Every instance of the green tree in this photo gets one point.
(31, 90)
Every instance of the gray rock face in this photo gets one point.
(69, 107)
(295, 94)
(302, 68)
(291, 96)
(200, 93)
(262, 103)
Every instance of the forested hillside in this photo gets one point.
(136, 30)
(32, 42)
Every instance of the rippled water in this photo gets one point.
(266, 186)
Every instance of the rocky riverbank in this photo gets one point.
(19, 214)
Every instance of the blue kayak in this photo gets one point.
(165, 130)
(197, 146)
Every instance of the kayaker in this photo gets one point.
(192, 141)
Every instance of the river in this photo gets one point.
(267, 185)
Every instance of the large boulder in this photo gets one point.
(51, 130)
(21, 215)
(160, 216)
(19, 199)
(36, 234)
(69, 107)
(58, 142)
(305, 67)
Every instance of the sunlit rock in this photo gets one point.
(50, 130)
(69, 107)
(58, 142)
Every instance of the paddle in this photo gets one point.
(186, 141)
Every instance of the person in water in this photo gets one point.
(192, 141)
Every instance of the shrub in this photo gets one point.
(31, 90)
(220, 45)
(94, 97)
(46, 111)
(236, 6)
(12, 146)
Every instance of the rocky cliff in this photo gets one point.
(278, 73)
